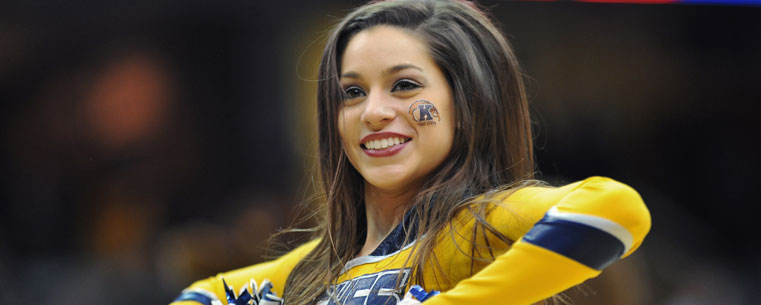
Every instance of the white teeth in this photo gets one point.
(384, 143)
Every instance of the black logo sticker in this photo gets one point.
(424, 113)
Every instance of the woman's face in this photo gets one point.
(397, 120)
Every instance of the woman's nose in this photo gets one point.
(379, 111)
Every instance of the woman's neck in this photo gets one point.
(384, 211)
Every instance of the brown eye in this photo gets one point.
(404, 85)
(353, 92)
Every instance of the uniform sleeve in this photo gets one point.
(577, 230)
(211, 291)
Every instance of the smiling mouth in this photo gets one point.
(384, 143)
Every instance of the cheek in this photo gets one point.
(341, 122)
(342, 128)
(446, 128)
(450, 117)
(347, 127)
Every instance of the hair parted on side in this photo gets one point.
(492, 148)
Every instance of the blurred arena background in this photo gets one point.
(144, 144)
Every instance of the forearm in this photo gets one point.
(524, 275)
(592, 225)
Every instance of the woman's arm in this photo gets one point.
(211, 290)
(582, 228)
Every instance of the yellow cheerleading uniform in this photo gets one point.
(564, 236)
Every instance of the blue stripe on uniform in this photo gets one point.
(585, 244)
(194, 296)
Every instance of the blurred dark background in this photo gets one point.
(145, 145)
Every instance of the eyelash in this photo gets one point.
(406, 82)
(358, 92)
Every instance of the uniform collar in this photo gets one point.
(394, 241)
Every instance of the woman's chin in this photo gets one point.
(386, 183)
(389, 180)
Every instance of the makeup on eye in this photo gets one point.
(405, 84)
(353, 92)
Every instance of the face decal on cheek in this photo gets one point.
(424, 113)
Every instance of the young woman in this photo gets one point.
(426, 164)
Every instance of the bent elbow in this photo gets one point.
(612, 200)
(596, 223)
(631, 212)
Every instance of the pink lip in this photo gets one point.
(388, 151)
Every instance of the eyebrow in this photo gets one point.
(388, 71)
(401, 67)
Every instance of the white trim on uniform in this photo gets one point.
(606, 225)
(372, 259)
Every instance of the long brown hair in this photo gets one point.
(492, 145)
